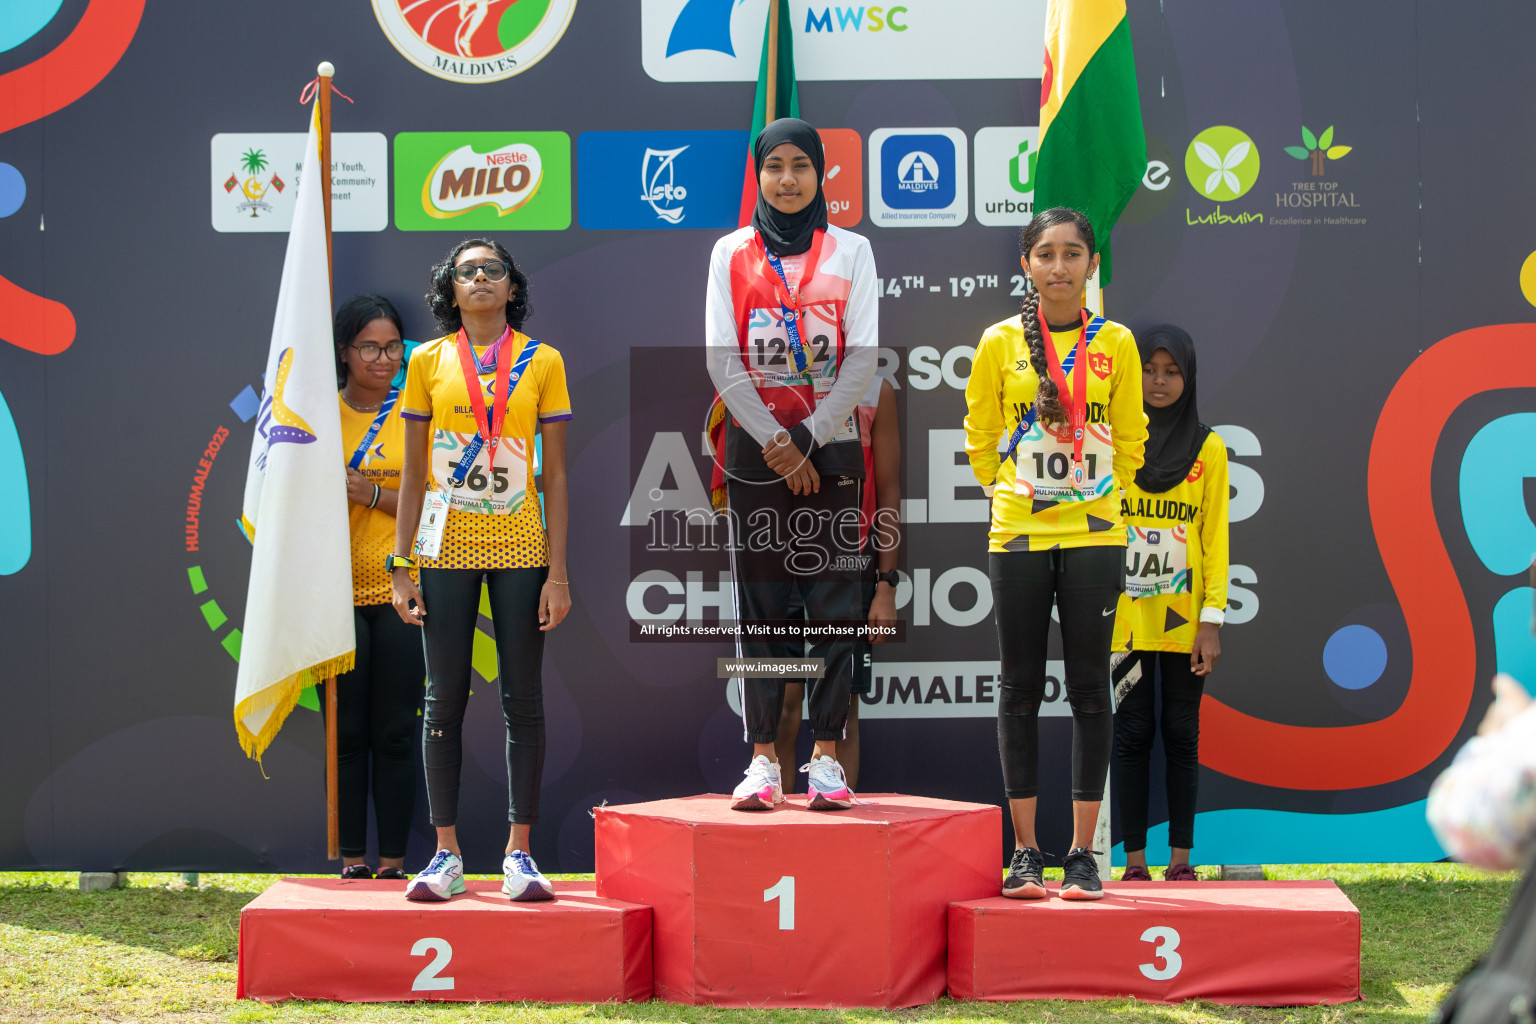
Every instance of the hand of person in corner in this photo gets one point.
(882, 612)
(1202, 659)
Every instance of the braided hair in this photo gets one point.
(1047, 398)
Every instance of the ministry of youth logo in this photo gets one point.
(474, 40)
(658, 186)
(917, 172)
(1222, 163)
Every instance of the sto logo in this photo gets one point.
(33, 91)
(703, 25)
(1418, 564)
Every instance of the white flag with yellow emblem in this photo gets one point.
(298, 610)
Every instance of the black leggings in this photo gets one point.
(1134, 729)
(791, 546)
(452, 597)
(376, 708)
(1085, 586)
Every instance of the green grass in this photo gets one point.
(158, 951)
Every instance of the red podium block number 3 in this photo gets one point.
(1165, 943)
(784, 891)
(429, 980)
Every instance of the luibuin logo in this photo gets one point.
(657, 185)
(253, 162)
(1222, 163)
(1316, 147)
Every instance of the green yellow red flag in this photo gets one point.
(1093, 151)
(777, 94)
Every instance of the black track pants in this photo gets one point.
(787, 544)
(1085, 586)
(1180, 691)
(452, 597)
(376, 708)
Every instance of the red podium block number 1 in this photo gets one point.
(784, 891)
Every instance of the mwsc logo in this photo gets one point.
(474, 40)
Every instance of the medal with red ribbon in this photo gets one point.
(488, 424)
(1076, 404)
(789, 298)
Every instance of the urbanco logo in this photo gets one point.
(1005, 174)
(474, 40)
(1222, 163)
(451, 181)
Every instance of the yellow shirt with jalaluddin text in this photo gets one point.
(1175, 557)
(1028, 510)
(373, 529)
(508, 530)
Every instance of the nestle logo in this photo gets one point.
(493, 159)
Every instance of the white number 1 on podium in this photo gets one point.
(784, 891)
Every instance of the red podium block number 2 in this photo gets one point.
(784, 891)
(1165, 944)
(430, 980)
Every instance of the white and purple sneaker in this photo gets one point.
(827, 788)
(440, 880)
(761, 789)
(522, 881)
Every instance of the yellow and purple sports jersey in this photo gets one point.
(1026, 512)
(1175, 557)
(373, 529)
(509, 534)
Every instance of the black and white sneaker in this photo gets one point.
(1024, 881)
(1080, 876)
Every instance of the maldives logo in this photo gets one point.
(1222, 163)
(465, 180)
(255, 184)
(1101, 364)
(474, 40)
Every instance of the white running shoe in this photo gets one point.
(438, 881)
(761, 789)
(827, 788)
(521, 880)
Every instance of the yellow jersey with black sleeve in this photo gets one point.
(1175, 557)
(508, 531)
(1027, 512)
(373, 529)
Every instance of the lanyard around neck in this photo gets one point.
(789, 298)
(1076, 404)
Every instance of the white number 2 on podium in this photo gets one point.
(784, 891)
(428, 980)
(1166, 941)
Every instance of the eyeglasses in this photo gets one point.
(368, 352)
(495, 270)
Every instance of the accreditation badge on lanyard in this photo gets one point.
(789, 301)
(1075, 401)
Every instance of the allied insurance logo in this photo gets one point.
(474, 40)
(452, 181)
(917, 177)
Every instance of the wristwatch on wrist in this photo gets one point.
(393, 562)
(887, 577)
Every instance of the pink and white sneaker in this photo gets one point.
(761, 789)
(827, 788)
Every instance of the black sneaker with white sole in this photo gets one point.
(1025, 881)
(1080, 876)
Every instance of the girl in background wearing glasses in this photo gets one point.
(377, 703)
(474, 446)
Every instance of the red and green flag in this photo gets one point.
(775, 81)
(1093, 151)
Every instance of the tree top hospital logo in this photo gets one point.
(918, 177)
(474, 40)
(1222, 163)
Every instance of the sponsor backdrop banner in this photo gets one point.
(1358, 283)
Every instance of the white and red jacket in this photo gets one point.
(749, 358)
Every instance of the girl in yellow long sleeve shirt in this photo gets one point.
(1175, 598)
(1061, 394)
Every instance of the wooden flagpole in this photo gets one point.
(326, 72)
(770, 110)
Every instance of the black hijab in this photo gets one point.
(1175, 433)
(789, 234)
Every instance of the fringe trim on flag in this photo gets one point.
(715, 431)
(283, 696)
